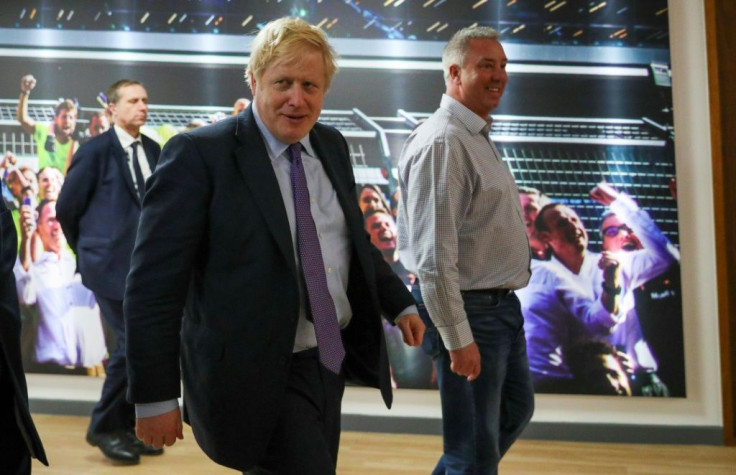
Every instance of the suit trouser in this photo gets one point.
(113, 413)
(14, 455)
(307, 434)
(482, 419)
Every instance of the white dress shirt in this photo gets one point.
(126, 140)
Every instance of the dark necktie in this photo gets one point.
(324, 315)
(140, 182)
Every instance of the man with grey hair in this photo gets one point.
(462, 232)
(251, 226)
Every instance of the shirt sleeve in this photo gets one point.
(658, 253)
(436, 188)
(80, 295)
(590, 313)
(554, 289)
(152, 409)
(25, 285)
(411, 309)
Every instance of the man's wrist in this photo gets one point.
(456, 336)
(26, 93)
(411, 309)
(152, 409)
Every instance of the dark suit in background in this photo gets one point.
(98, 209)
(19, 440)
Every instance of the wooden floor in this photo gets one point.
(373, 453)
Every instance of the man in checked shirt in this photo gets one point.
(461, 230)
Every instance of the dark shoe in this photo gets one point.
(115, 447)
(142, 448)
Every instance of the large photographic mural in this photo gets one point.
(585, 124)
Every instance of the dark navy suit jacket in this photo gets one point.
(214, 238)
(98, 209)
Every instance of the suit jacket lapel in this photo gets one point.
(151, 155)
(120, 157)
(255, 167)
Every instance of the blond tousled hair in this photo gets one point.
(286, 38)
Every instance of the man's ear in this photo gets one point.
(543, 236)
(454, 73)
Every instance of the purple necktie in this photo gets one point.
(324, 315)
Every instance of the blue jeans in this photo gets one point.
(483, 418)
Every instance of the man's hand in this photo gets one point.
(160, 430)
(604, 193)
(611, 268)
(466, 361)
(9, 160)
(27, 83)
(672, 184)
(28, 217)
(611, 281)
(412, 329)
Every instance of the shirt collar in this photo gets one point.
(274, 146)
(124, 137)
(472, 121)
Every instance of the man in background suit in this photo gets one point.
(19, 440)
(225, 236)
(98, 209)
